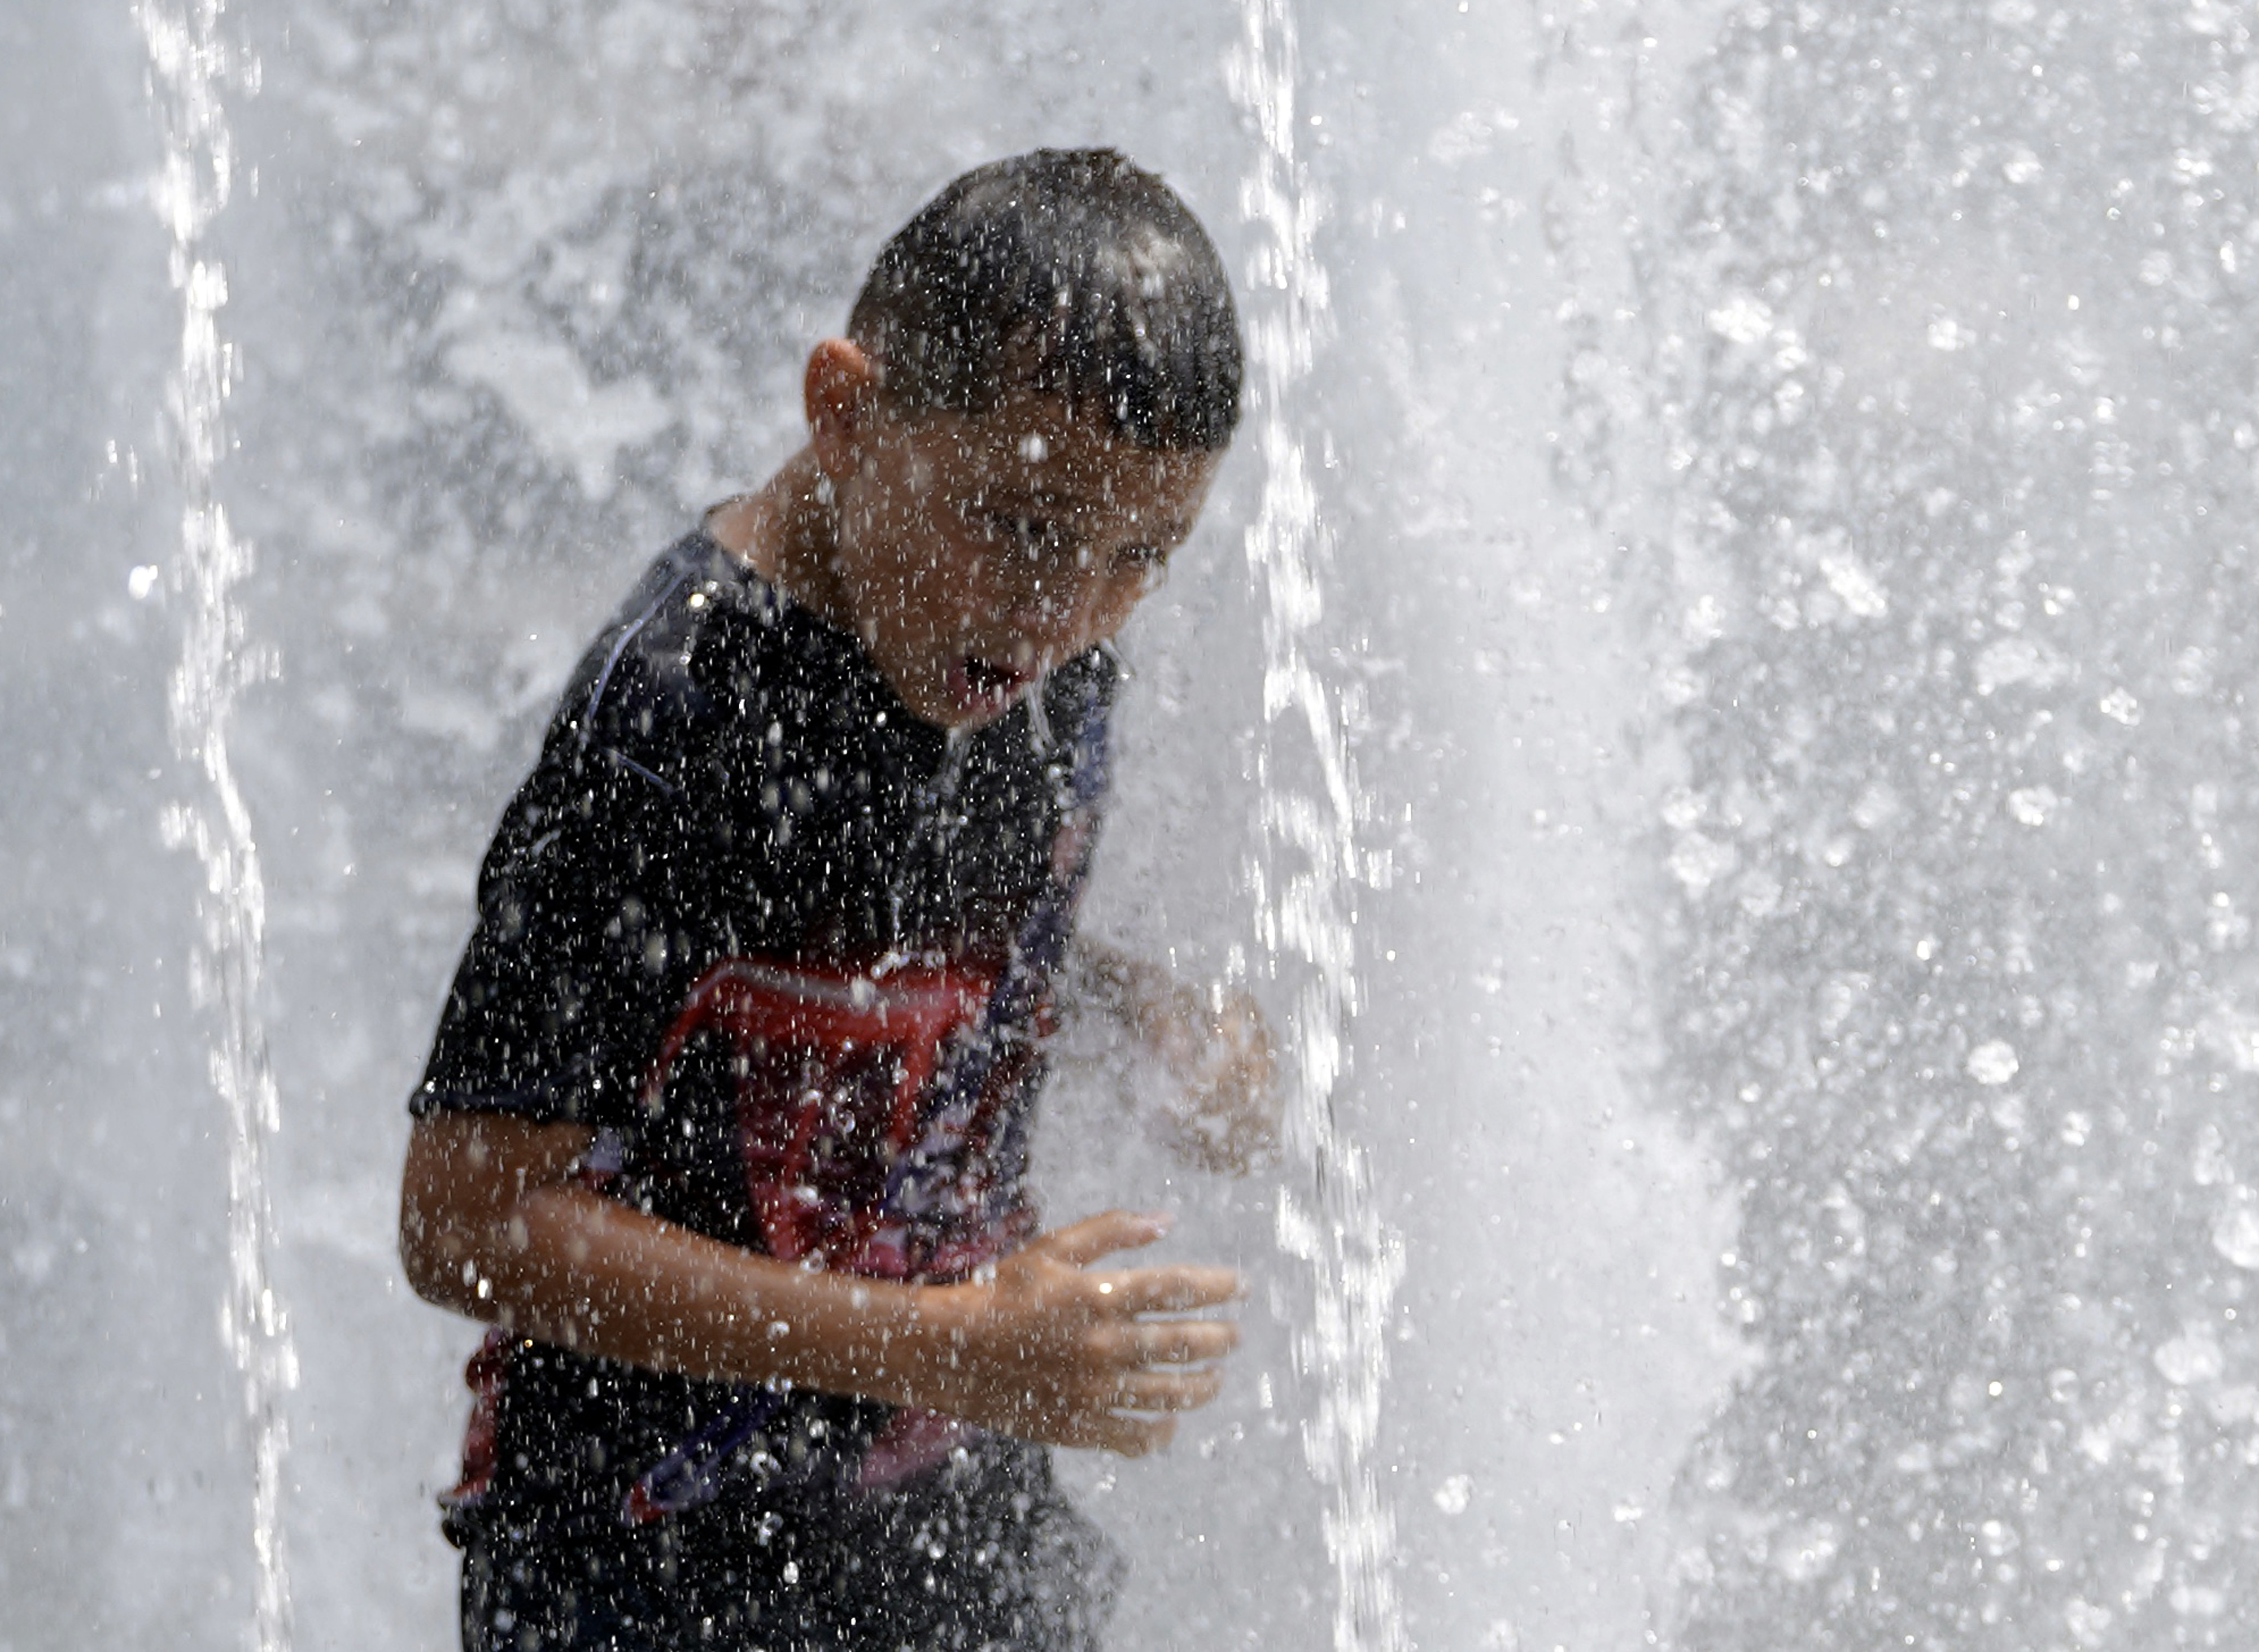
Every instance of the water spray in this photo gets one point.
(1308, 859)
(189, 60)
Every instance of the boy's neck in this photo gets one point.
(783, 530)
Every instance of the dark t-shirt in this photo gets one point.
(788, 951)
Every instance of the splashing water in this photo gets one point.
(1355, 1261)
(189, 60)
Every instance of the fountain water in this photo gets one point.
(1309, 861)
(190, 59)
(1747, 510)
(521, 286)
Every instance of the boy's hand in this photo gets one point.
(1212, 1043)
(1215, 1045)
(1048, 1350)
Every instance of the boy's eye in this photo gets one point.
(1031, 534)
(1147, 564)
(1037, 536)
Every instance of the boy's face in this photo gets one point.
(975, 554)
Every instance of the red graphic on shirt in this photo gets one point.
(830, 1069)
(836, 1076)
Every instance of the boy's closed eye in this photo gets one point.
(1037, 536)
(1051, 540)
(1151, 561)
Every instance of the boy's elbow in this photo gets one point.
(434, 1243)
(420, 1253)
(459, 1194)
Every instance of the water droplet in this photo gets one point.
(2235, 1235)
(2120, 707)
(1699, 861)
(2031, 805)
(1743, 318)
(1993, 1062)
(2190, 1358)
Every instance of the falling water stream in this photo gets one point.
(190, 59)
(1308, 863)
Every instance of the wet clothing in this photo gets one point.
(981, 1556)
(786, 951)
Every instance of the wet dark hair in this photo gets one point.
(1071, 272)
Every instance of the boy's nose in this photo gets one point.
(1053, 610)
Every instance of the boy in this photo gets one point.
(725, 1126)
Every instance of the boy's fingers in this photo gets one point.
(1169, 1290)
(1095, 1236)
(1137, 1437)
(1180, 1342)
(1170, 1391)
(1107, 1431)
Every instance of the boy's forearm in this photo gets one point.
(592, 1274)
(494, 1226)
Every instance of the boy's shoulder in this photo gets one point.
(642, 665)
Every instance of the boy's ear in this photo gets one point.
(840, 392)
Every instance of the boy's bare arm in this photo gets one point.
(492, 1224)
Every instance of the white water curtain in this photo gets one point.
(1725, 751)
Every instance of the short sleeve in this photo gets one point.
(544, 1019)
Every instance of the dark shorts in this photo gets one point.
(985, 1557)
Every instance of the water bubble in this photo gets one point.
(1993, 1062)
(2190, 1358)
(1699, 861)
(1856, 588)
(1877, 806)
(142, 581)
(2232, 1035)
(1682, 808)
(2120, 707)
(1743, 318)
(1802, 1553)
(2088, 1623)
(2212, 1168)
(2016, 659)
(2190, 1601)
(2030, 805)
(1452, 1495)
(2235, 1234)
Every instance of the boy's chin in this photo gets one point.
(956, 707)
(969, 694)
